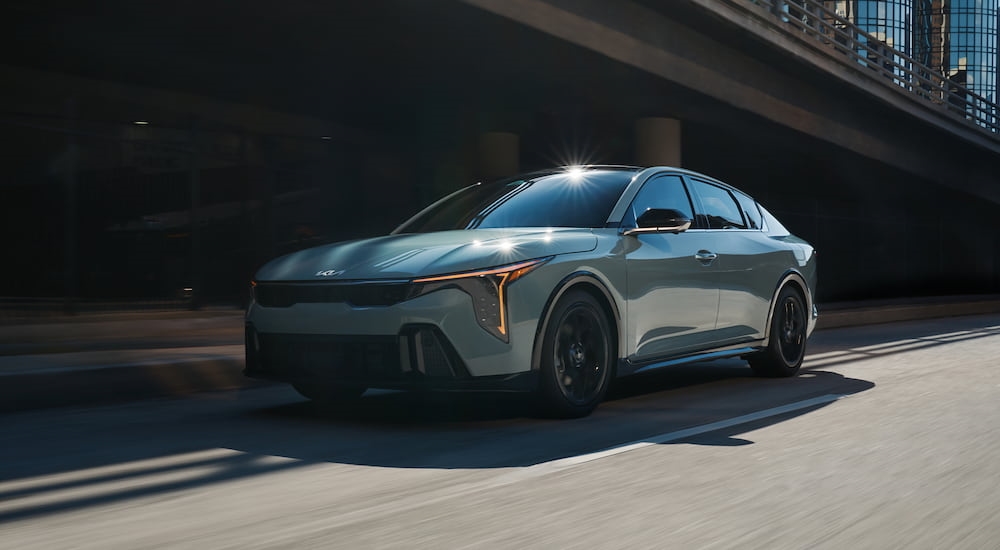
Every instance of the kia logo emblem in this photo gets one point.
(327, 273)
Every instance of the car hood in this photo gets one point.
(423, 254)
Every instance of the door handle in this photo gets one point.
(705, 257)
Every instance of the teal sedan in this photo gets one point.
(552, 282)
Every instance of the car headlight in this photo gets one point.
(488, 288)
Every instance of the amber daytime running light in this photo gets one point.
(487, 288)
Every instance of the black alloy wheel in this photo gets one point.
(577, 356)
(787, 346)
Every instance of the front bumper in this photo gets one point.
(420, 357)
(432, 341)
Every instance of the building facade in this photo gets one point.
(957, 39)
(972, 44)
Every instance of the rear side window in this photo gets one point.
(750, 210)
(718, 207)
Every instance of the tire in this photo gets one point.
(328, 393)
(786, 347)
(577, 356)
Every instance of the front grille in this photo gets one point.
(355, 294)
(420, 354)
(294, 356)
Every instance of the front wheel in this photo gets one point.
(577, 356)
(786, 347)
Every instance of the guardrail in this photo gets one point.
(852, 45)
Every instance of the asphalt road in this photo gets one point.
(890, 438)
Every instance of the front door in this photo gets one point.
(673, 291)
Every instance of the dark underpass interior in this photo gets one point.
(394, 96)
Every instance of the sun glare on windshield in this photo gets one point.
(575, 173)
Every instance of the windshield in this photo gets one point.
(563, 199)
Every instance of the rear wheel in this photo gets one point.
(577, 356)
(328, 393)
(787, 345)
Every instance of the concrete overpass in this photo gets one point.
(752, 60)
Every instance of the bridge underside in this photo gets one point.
(896, 204)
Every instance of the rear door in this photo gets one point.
(745, 270)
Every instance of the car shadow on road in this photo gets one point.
(171, 446)
(389, 409)
(428, 430)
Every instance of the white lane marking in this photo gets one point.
(376, 508)
(425, 498)
(551, 466)
(431, 497)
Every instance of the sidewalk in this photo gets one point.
(108, 357)
(872, 312)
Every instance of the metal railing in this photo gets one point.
(843, 40)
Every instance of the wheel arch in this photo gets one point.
(793, 279)
(592, 284)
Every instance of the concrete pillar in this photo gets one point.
(658, 141)
(499, 154)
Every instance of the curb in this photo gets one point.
(894, 313)
(119, 383)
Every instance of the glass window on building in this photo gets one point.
(972, 55)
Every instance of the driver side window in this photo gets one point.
(662, 192)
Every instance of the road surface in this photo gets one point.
(889, 438)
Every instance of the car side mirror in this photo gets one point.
(660, 220)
